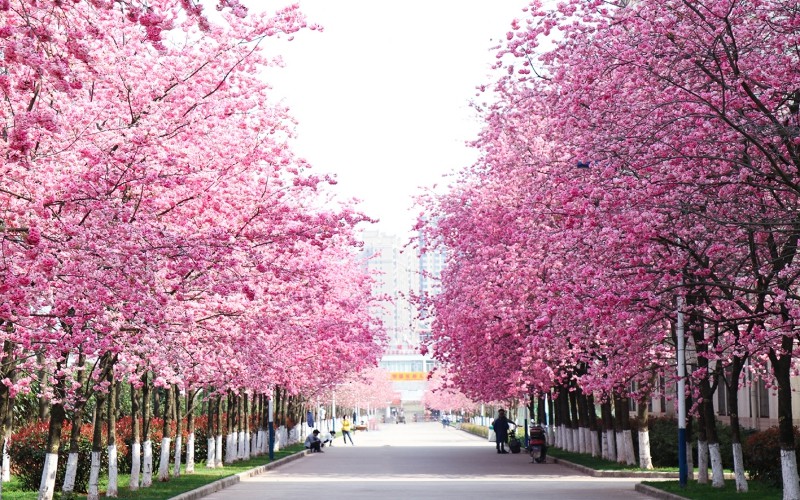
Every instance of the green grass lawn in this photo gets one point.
(168, 489)
(598, 463)
(695, 491)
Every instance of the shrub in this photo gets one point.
(29, 443)
(663, 441)
(664, 447)
(124, 432)
(27, 452)
(478, 430)
(762, 458)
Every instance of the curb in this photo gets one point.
(225, 482)
(656, 493)
(616, 473)
(630, 473)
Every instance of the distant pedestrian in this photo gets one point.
(346, 426)
(501, 426)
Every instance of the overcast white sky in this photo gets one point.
(382, 94)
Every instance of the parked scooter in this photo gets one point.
(537, 444)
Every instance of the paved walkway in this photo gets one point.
(422, 461)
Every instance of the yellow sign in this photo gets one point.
(403, 376)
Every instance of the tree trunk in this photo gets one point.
(218, 445)
(97, 447)
(7, 370)
(618, 435)
(241, 439)
(642, 417)
(113, 487)
(57, 415)
(230, 440)
(176, 471)
(44, 406)
(211, 434)
(582, 421)
(166, 440)
(608, 430)
(594, 432)
(732, 384)
(781, 368)
(136, 445)
(147, 444)
(190, 405)
(707, 406)
(702, 446)
(573, 408)
(551, 428)
(75, 433)
(627, 435)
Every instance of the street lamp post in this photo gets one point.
(271, 428)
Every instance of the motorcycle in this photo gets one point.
(537, 443)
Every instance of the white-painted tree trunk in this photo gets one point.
(6, 473)
(147, 464)
(163, 463)
(576, 440)
(689, 462)
(251, 445)
(604, 446)
(611, 436)
(241, 443)
(738, 468)
(230, 448)
(47, 485)
(630, 453)
(559, 443)
(190, 453)
(587, 440)
(581, 441)
(791, 482)
(136, 466)
(94, 477)
(620, 446)
(717, 474)
(702, 462)
(113, 472)
(551, 435)
(645, 459)
(211, 459)
(218, 462)
(176, 471)
(260, 442)
(595, 436)
(71, 473)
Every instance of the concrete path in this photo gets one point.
(422, 461)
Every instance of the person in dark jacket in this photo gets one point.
(501, 425)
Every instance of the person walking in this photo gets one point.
(501, 426)
(346, 426)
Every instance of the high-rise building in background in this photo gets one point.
(401, 273)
